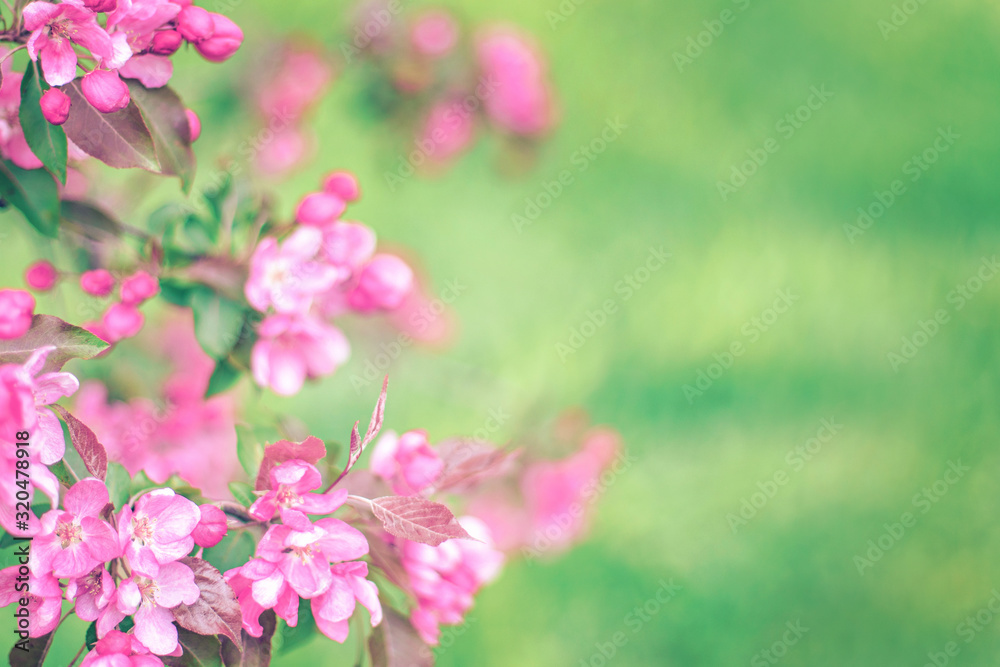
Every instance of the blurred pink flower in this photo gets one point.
(382, 285)
(41, 276)
(292, 348)
(434, 33)
(521, 100)
(286, 277)
(406, 461)
(16, 310)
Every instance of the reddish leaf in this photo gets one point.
(71, 342)
(34, 656)
(357, 444)
(309, 450)
(394, 643)
(120, 139)
(469, 461)
(418, 519)
(216, 612)
(256, 650)
(91, 451)
(168, 125)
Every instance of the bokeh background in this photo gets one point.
(666, 519)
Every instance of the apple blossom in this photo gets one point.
(55, 106)
(151, 597)
(158, 531)
(71, 543)
(16, 310)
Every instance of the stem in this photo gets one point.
(78, 654)
(358, 501)
(13, 51)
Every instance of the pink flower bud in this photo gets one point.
(98, 282)
(101, 5)
(319, 208)
(166, 42)
(225, 40)
(211, 528)
(16, 310)
(434, 34)
(105, 90)
(195, 24)
(138, 288)
(121, 321)
(384, 283)
(41, 276)
(194, 123)
(342, 184)
(55, 106)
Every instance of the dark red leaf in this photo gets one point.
(469, 461)
(71, 342)
(394, 643)
(34, 656)
(120, 139)
(91, 451)
(168, 125)
(418, 519)
(357, 443)
(217, 611)
(309, 450)
(256, 650)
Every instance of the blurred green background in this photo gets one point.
(665, 519)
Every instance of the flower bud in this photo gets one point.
(319, 208)
(138, 288)
(166, 42)
(121, 321)
(195, 24)
(225, 40)
(434, 34)
(105, 90)
(383, 284)
(16, 310)
(55, 106)
(194, 123)
(98, 282)
(211, 528)
(342, 184)
(101, 5)
(41, 276)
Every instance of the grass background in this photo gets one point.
(666, 518)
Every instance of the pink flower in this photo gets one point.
(406, 461)
(434, 33)
(521, 100)
(41, 276)
(139, 287)
(151, 598)
(24, 397)
(98, 282)
(39, 478)
(291, 483)
(121, 321)
(16, 310)
(333, 608)
(343, 184)
(287, 277)
(139, 22)
(319, 208)
(101, 6)
(448, 130)
(383, 284)
(118, 649)
(224, 41)
(291, 349)
(151, 70)
(194, 123)
(299, 79)
(55, 28)
(96, 599)
(211, 528)
(158, 532)
(44, 599)
(446, 577)
(55, 106)
(73, 542)
(166, 42)
(348, 245)
(105, 90)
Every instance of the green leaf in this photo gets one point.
(199, 651)
(177, 292)
(217, 322)
(223, 377)
(71, 342)
(166, 118)
(63, 473)
(243, 493)
(33, 192)
(249, 450)
(120, 139)
(119, 484)
(47, 141)
(235, 549)
(90, 221)
(304, 630)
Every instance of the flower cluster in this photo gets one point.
(326, 267)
